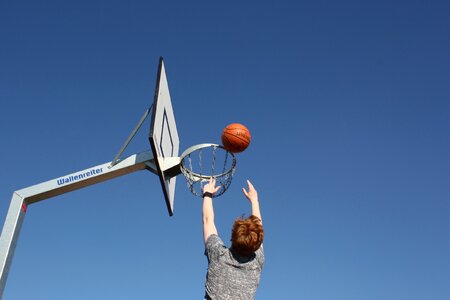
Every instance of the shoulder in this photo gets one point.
(214, 246)
(213, 241)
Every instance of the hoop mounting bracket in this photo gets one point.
(171, 166)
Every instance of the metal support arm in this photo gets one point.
(22, 198)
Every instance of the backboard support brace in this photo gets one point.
(132, 134)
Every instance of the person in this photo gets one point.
(233, 273)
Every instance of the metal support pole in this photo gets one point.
(10, 235)
(22, 198)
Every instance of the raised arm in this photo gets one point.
(252, 196)
(208, 210)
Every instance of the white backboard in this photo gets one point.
(163, 135)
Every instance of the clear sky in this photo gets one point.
(348, 103)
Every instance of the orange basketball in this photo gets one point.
(236, 137)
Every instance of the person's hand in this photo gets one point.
(211, 186)
(251, 193)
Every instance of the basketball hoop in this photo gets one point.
(201, 162)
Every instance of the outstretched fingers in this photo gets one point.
(211, 186)
(251, 193)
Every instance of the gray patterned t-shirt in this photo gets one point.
(230, 276)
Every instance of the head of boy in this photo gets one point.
(247, 235)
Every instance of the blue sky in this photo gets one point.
(348, 106)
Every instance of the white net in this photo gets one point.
(202, 162)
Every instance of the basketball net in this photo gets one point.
(202, 162)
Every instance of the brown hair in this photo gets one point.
(247, 235)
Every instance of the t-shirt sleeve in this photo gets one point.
(214, 247)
